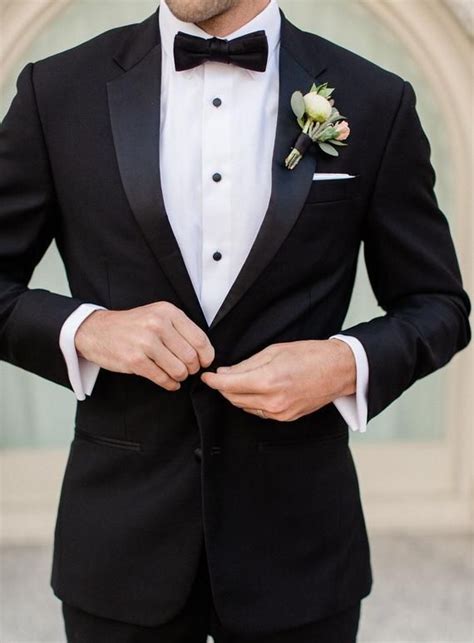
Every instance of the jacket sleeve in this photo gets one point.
(412, 267)
(30, 319)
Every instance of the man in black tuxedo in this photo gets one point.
(197, 501)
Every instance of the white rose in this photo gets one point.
(317, 107)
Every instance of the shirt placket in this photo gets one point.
(217, 178)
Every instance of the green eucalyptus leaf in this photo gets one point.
(336, 142)
(324, 90)
(297, 104)
(314, 88)
(319, 135)
(335, 117)
(328, 133)
(329, 149)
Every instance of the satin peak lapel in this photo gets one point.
(298, 69)
(134, 106)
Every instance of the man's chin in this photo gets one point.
(198, 11)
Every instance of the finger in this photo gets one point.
(251, 401)
(255, 361)
(273, 416)
(181, 348)
(167, 361)
(194, 336)
(247, 382)
(157, 375)
(255, 412)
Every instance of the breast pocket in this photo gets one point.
(334, 189)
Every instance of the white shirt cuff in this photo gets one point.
(82, 373)
(353, 408)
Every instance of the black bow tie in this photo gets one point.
(249, 51)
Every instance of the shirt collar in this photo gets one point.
(268, 19)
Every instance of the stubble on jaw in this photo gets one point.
(199, 10)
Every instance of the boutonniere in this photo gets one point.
(320, 122)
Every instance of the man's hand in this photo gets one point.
(288, 380)
(157, 341)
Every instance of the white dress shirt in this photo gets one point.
(233, 137)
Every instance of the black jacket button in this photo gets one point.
(198, 454)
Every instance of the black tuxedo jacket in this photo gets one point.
(277, 504)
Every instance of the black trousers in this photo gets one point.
(198, 619)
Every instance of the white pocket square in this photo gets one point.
(331, 175)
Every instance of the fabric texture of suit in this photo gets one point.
(277, 504)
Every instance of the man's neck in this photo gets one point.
(234, 18)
